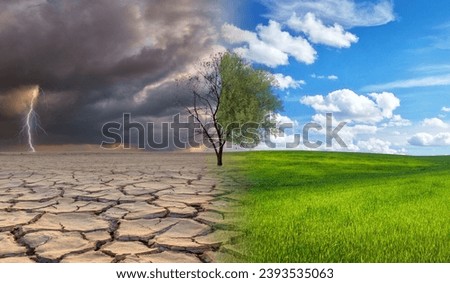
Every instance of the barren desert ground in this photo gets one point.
(112, 207)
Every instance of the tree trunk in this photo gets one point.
(219, 155)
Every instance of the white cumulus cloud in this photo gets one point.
(347, 105)
(434, 123)
(387, 102)
(320, 21)
(332, 77)
(426, 139)
(296, 46)
(285, 82)
(445, 109)
(269, 45)
(321, 77)
(370, 120)
(317, 32)
(256, 50)
(377, 146)
(281, 119)
(397, 121)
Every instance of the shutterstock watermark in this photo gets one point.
(190, 134)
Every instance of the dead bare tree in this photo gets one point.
(206, 86)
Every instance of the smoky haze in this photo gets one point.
(95, 60)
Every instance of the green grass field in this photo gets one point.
(343, 207)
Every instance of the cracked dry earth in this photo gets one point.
(113, 207)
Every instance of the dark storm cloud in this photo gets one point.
(92, 57)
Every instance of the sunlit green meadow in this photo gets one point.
(343, 207)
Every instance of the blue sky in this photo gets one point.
(381, 66)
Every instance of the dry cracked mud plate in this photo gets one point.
(113, 208)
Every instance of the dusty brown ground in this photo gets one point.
(113, 207)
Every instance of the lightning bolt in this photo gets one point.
(30, 117)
